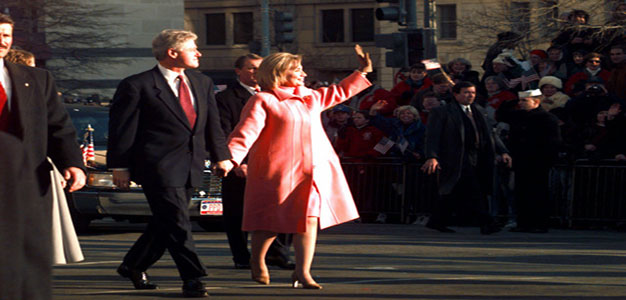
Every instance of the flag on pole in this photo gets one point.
(89, 153)
(431, 64)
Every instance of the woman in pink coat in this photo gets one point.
(294, 179)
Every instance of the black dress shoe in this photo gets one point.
(280, 262)
(489, 229)
(139, 279)
(519, 229)
(193, 288)
(439, 228)
(245, 266)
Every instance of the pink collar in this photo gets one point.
(297, 93)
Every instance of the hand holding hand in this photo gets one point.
(365, 63)
(222, 168)
(241, 171)
(77, 176)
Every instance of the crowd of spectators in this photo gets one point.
(582, 77)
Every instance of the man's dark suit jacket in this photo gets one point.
(39, 121)
(445, 138)
(230, 103)
(150, 135)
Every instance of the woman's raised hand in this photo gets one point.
(365, 63)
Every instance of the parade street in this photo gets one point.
(377, 261)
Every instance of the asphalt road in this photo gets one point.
(379, 261)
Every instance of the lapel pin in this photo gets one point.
(26, 84)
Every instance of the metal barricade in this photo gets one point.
(581, 193)
(598, 191)
(391, 187)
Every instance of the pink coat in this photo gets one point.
(281, 132)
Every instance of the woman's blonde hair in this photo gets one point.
(273, 69)
(410, 108)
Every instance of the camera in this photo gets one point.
(595, 90)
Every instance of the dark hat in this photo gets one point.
(342, 108)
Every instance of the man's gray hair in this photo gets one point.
(170, 38)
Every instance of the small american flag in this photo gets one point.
(431, 64)
(87, 146)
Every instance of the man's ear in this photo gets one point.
(172, 53)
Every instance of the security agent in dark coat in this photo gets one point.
(161, 128)
(465, 154)
(230, 103)
(534, 141)
(37, 120)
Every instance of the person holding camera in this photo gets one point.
(582, 110)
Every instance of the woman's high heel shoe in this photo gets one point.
(258, 275)
(305, 285)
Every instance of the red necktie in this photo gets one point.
(4, 110)
(185, 101)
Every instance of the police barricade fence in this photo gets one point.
(582, 193)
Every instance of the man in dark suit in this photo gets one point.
(230, 103)
(162, 124)
(460, 142)
(30, 111)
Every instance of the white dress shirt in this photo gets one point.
(172, 80)
(5, 80)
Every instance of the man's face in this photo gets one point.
(579, 19)
(341, 116)
(188, 55)
(417, 75)
(358, 119)
(441, 88)
(247, 73)
(554, 54)
(528, 103)
(466, 96)
(6, 38)
(617, 55)
(593, 63)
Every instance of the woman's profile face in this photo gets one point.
(294, 77)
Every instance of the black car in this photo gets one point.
(100, 198)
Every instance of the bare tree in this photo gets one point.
(73, 33)
(537, 22)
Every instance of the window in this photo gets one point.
(332, 26)
(215, 29)
(548, 16)
(520, 17)
(446, 21)
(362, 24)
(243, 24)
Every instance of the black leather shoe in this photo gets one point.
(439, 228)
(193, 288)
(139, 279)
(489, 229)
(242, 266)
(280, 262)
